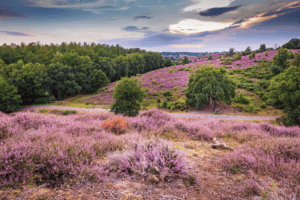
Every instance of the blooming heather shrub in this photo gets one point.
(152, 157)
(91, 116)
(276, 156)
(40, 161)
(33, 120)
(116, 125)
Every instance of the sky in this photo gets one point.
(153, 25)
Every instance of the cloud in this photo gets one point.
(6, 13)
(191, 26)
(218, 11)
(134, 28)
(142, 17)
(15, 33)
(198, 5)
(68, 3)
(187, 45)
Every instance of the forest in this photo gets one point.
(38, 74)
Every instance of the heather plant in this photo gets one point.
(152, 157)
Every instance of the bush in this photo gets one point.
(116, 125)
(165, 104)
(153, 81)
(291, 55)
(158, 100)
(155, 93)
(242, 99)
(276, 70)
(251, 108)
(66, 112)
(129, 96)
(263, 105)
(167, 93)
(267, 53)
(281, 58)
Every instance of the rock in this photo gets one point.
(129, 196)
(152, 179)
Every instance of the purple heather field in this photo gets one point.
(58, 150)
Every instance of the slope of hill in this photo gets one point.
(176, 78)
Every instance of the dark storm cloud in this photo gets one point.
(217, 11)
(15, 33)
(134, 28)
(142, 17)
(7, 13)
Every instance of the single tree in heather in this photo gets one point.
(209, 84)
(9, 99)
(129, 96)
(285, 88)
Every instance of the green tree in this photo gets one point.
(98, 79)
(168, 62)
(231, 51)
(9, 99)
(32, 82)
(263, 48)
(281, 58)
(285, 88)
(129, 96)
(185, 60)
(63, 81)
(209, 84)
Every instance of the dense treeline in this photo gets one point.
(38, 73)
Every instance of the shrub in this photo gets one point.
(155, 93)
(116, 125)
(241, 99)
(276, 70)
(251, 108)
(158, 100)
(153, 157)
(165, 104)
(291, 55)
(66, 112)
(281, 58)
(153, 81)
(167, 93)
(263, 105)
(267, 53)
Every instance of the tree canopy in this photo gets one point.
(129, 96)
(209, 84)
(285, 88)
